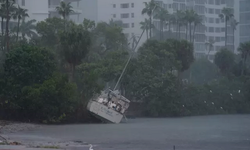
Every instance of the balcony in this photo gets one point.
(52, 8)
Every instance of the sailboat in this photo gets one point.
(110, 106)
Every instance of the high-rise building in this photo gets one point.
(212, 27)
(244, 23)
(42, 9)
(54, 3)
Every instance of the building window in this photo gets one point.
(132, 15)
(125, 15)
(223, 2)
(217, 11)
(222, 29)
(211, 11)
(114, 15)
(132, 5)
(114, 5)
(217, 30)
(211, 2)
(23, 2)
(217, 20)
(211, 29)
(125, 25)
(132, 25)
(210, 20)
(126, 5)
(217, 39)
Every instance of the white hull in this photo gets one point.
(104, 112)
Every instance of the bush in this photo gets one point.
(30, 88)
(51, 101)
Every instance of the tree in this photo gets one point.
(145, 25)
(149, 9)
(190, 18)
(9, 8)
(88, 24)
(209, 45)
(244, 49)
(162, 15)
(64, 9)
(183, 52)
(201, 71)
(224, 59)
(197, 20)
(74, 46)
(226, 15)
(19, 14)
(234, 25)
(48, 31)
(27, 29)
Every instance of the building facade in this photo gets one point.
(43, 9)
(244, 8)
(212, 28)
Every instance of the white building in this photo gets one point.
(127, 11)
(212, 28)
(42, 9)
(244, 21)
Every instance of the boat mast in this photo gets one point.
(124, 69)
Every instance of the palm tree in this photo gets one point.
(9, 8)
(19, 14)
(145, 25)
(234, 24)
(244, 48)
(162, 15)
(3, 16)
(64, 9)
(197, 20)
(180, 21)
(190, 18)
(210, 45)
(226, 15)
(28, 29)
(149, 9)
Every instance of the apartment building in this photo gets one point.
(212, 27)
(244, 23)
(42, 9)
(127, 11)
(52, 4)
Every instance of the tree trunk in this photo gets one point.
(233, 41)
(161, 30)
(179, 31)
(186, 31)
(147, 33)
(177, 24)
(150, 26)
(162, 27)
(190, 32)
(7, 25)
(208, 53)
(194, 33)
(2, 30)
(225, 33)
(18, 26)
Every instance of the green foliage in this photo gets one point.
(30, 90)
(50, 101)
(49, 29)
(225, 61)
(26, 65)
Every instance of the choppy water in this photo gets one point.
(230, 132)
